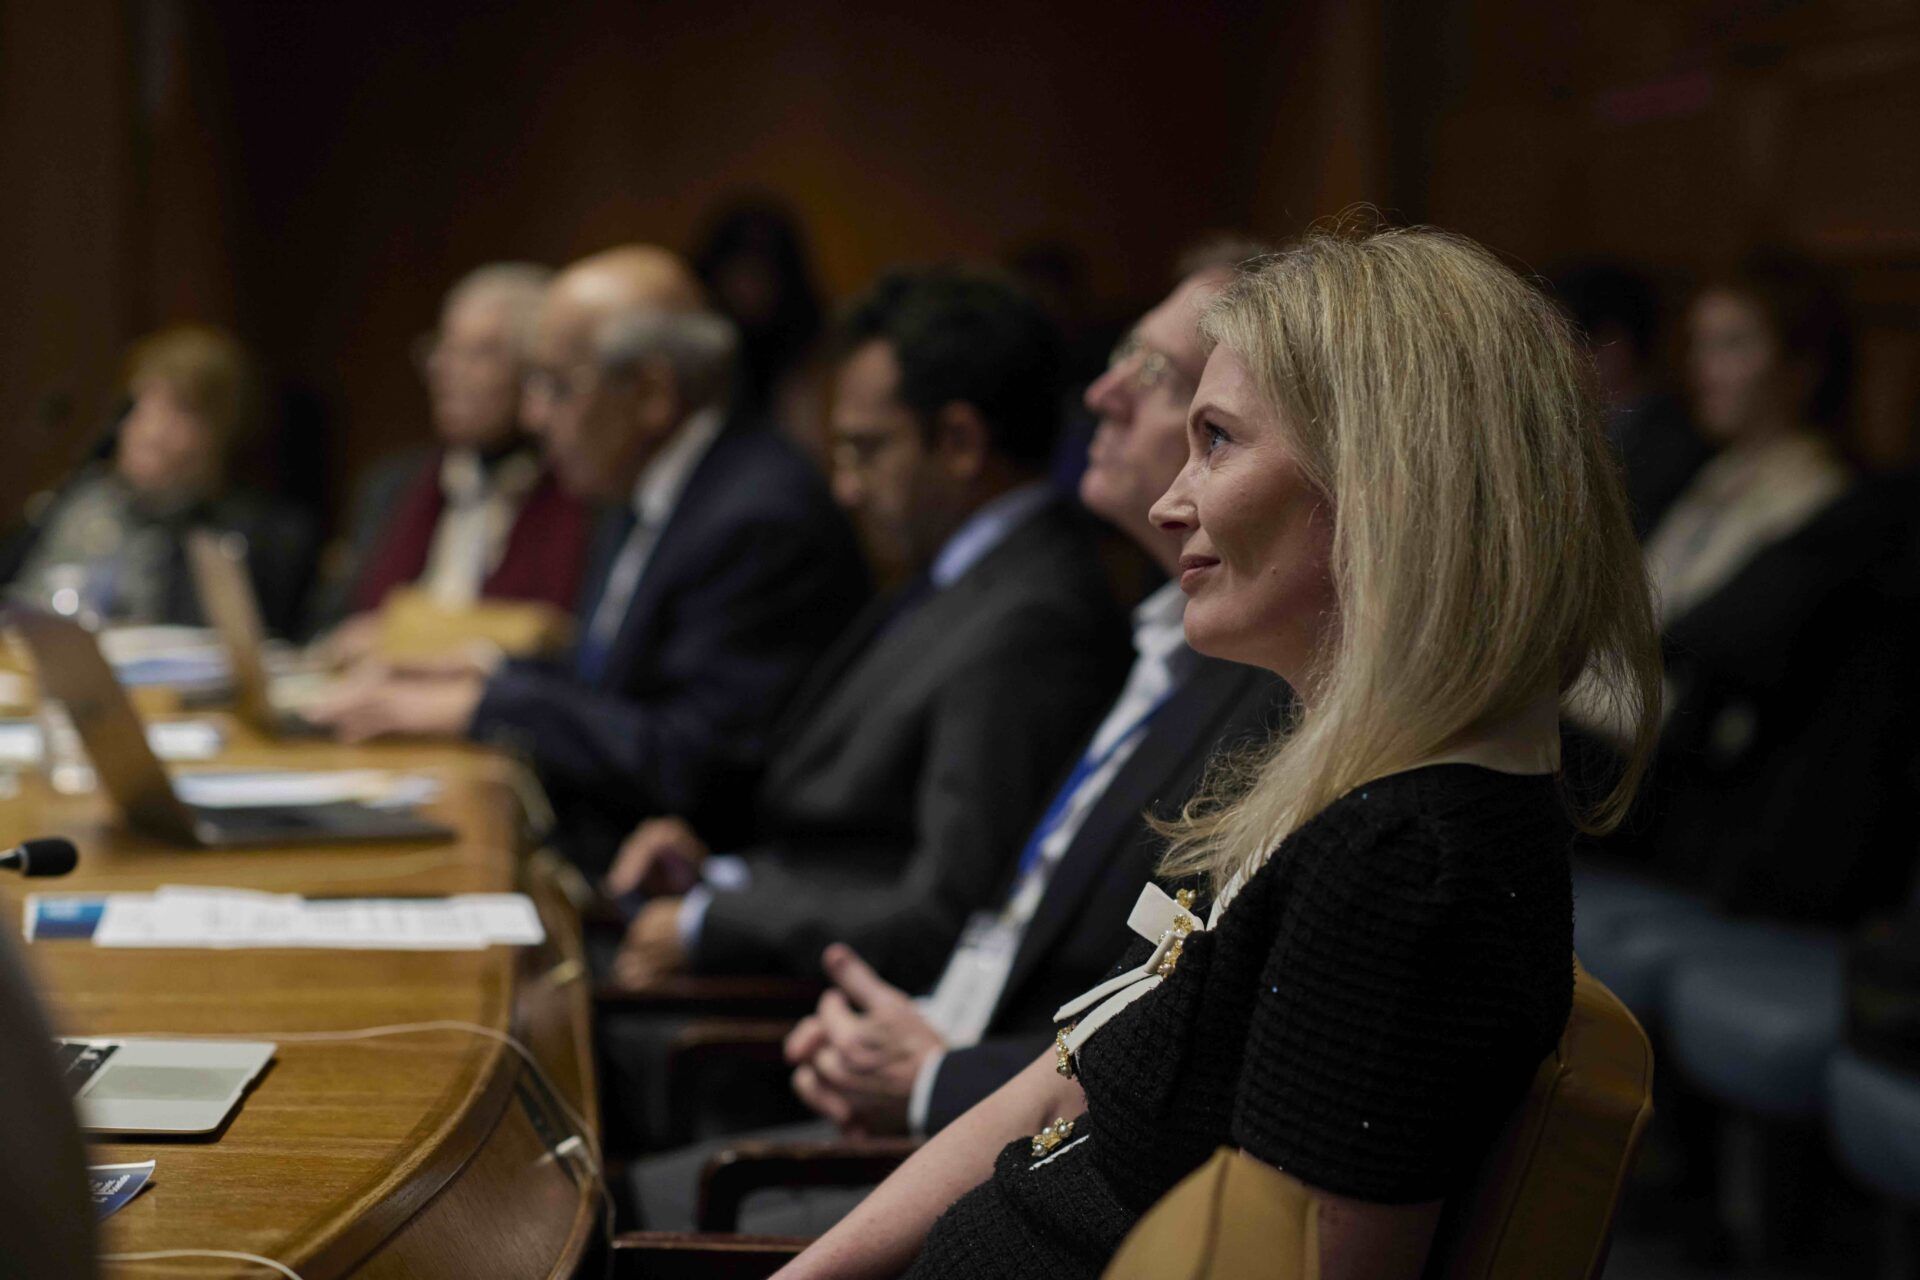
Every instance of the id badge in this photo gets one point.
(963, 1001)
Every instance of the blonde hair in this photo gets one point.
(1482, 556)
(207, 369)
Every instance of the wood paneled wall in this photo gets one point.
(316, 174)
(1680, 135)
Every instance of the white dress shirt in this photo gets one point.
(655, 494)
(479, 505)
(976, 975)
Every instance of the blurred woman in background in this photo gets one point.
(1778, 762)
(110, 547)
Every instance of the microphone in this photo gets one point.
(47, 856)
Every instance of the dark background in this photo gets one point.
(315, 174)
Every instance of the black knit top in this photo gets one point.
(1365, 1015)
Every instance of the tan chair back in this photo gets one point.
(1541, 1209)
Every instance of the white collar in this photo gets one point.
(666, 474)
(464, 477)
(1159, 622)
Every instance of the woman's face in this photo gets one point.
(1733, 368)
(1256, 535)
(166, 450)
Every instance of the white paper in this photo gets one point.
(132, 644)
(218, 918)
(178, 740)
(258, 788)
(510, 918)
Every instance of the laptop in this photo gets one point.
(158, 1086)
(219, 565)
(71, 669)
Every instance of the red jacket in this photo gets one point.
(545, 553)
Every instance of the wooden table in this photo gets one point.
(421, 1156)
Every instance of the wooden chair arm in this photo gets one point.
(750, 1166)
(673, 1255)
(728, 995)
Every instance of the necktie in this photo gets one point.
(603, 627)
(1090, 763)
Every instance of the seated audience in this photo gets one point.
(112, 545)
(1618, 310)
(1781, 683)
(480, 515)
(1399, 498)
(873, 1060)
(720, 572)
(911, 766)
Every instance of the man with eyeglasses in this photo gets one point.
(908, 768)
(480, 516)
(875, 1060)
(721, 570)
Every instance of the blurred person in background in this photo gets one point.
(753, 258)
(720, 571)
(874, 1060)
(1618, 311)
(480, 515)
(912, 763)
(909, 768)
(111, 545)
(47, 1229)
(1780, 776)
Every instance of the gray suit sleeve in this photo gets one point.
(1001, 730)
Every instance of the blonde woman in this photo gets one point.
(1397, 497)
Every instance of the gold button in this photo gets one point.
(1052, 1136)
(1063, 1056)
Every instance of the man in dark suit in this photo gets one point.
(719, 575)
(912, 764)
(873, 1060)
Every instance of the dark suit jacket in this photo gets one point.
(751, 577)
(914, 768)
(1080, 925)
(376, 494)
(1782, 785)
(1659, 453)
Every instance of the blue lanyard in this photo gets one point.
(1089, 764)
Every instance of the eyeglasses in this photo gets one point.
(1151, 367)
(559, 386)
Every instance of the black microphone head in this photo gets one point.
(48, 856)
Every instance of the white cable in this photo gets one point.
(162, 1255)
(589, 1145)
